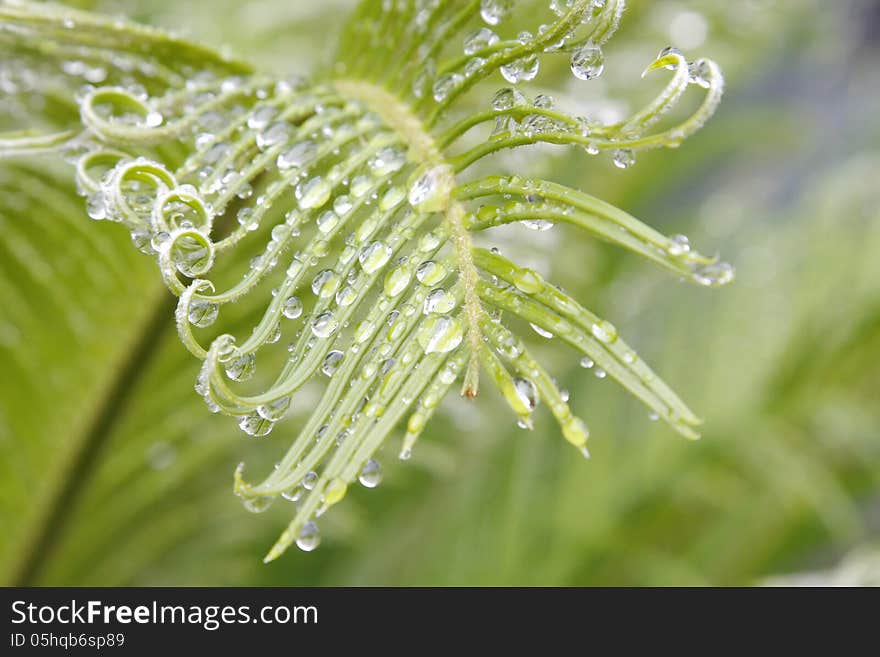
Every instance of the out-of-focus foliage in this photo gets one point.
(783, 364)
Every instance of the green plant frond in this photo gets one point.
(348, 192)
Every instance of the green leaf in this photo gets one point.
(355, 181)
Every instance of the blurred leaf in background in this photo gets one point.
(113, 472)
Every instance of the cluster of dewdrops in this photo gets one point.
(587, 62)
(172, 221)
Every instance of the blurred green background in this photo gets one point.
(784, 365)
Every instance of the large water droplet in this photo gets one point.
(310, 480)
(309, 537)
(493, 11)
(523, 69)
(325, 324)
(526, 392)
(481, 38)
(544, 333)
(431, 273)
(374, 256)
(439, 301)
(386, 161)
(255, 425)
(588, 62)
(331, 362)
(446, 85)
(327, 221)
(261, 117)
(292, 308)
(275, 134)
(325, 283)
(313, 193)
(202, 313)
(430, 192)
(371, 474)
(241, 368)
(440, 334)
(274, 411)
(680, 245)
(714, 274)
(507, 98)
(604, 331)
(623, 158)
(397, 280)
(297, 156)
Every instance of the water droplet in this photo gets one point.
(600, 373)
(327, 221)
(256, 425)
(526, 392)
(430, 192)
(310, 480)
(96, 206)
(588, 62)
(257, 504)
(309, 538)
(623, 158)
(153, 119)
(371, 474)
(275, 134)
(325, 324)
(680, 245)
(397, 280)
(604, 331)
(537, 224)
(261, 117)
(386, 161)
(446, 85)
(297, 156)
(493, 11)
(274, 334)
(331, 362)
(241, 368)
(586, 362)
(293, 495)
(481, 38)
(202, 313)
(374, 256)
(438, 301)
(431, 273)
(192, 254)
(292, 308)
(363, 331)
(440, 334)
(313, 193)
(528, 281)
(325, 283)
(700, 73)
(523, 69)
(714, 274)
(342, 205)
(274, 411)
(346, 296)
(544, 333)
(360, 186)
(392, 198)
(507, 98)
